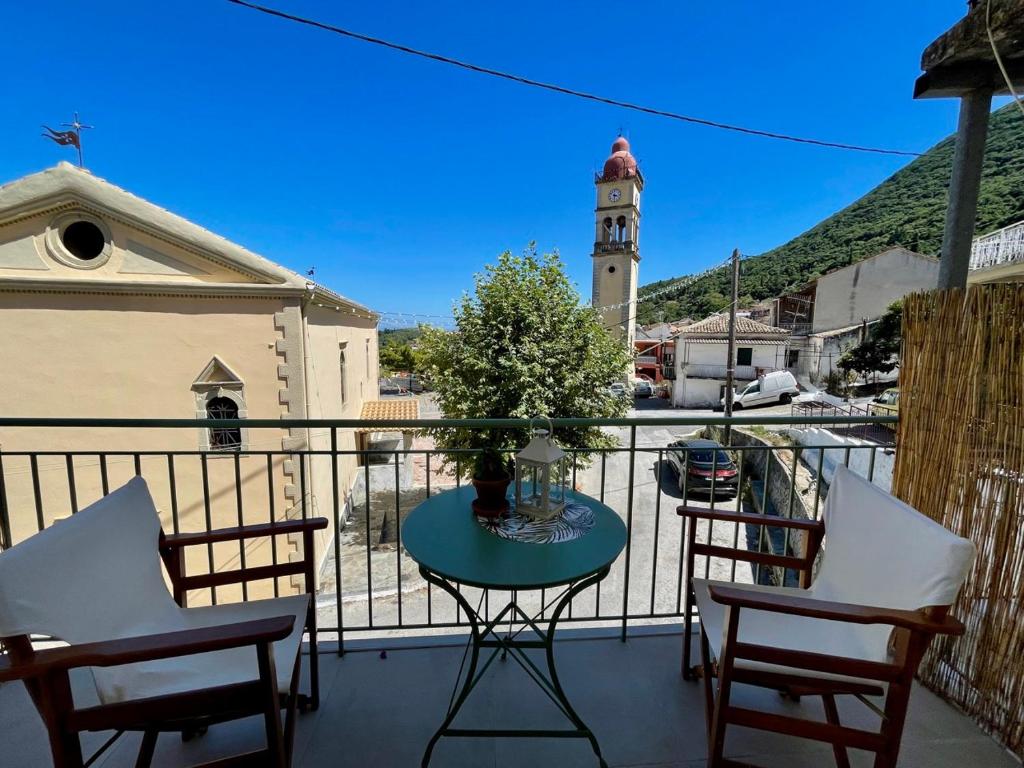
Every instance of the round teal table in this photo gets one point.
(454, 549)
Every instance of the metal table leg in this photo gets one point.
(509, 645)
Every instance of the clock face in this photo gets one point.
(614, 195)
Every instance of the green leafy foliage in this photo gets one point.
(523, 346)
(880, 350)
(398, 351)
(907, 209)
(400, 335)
(398, 357)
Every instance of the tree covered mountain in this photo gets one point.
(906, 209)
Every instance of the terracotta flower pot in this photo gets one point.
(490, 501)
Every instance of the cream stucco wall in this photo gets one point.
(616, 257)
(327, 337)
(101, 356)
(68, 355)
(127, 334)
(29, 248)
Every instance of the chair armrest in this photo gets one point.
(825, 609)
(111, 653)
(178, 540)
(743, 517)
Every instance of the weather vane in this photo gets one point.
(71, 138)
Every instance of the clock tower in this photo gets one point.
(616, 253)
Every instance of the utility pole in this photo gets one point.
(730, 366)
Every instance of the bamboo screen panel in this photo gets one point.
(960, 460)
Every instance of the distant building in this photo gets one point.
(655, 347)
(701, 357)
(832, 313)
(113, 307)
(616, 256)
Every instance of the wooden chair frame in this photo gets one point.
(912, 633)
(46, 673)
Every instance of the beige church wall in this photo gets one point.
(86, 355)
(326, 331)
(28, 248)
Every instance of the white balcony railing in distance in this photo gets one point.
(1000, 247)
(714, 371)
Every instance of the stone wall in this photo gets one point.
(777, 465)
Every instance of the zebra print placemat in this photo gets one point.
(574, 521)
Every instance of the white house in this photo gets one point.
(701, 356)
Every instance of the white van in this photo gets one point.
(774, 387)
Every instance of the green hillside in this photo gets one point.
(906, 209)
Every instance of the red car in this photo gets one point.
(703, 466)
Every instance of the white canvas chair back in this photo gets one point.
(880, 551)
(93, 576)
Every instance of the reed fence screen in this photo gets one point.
(960, 460)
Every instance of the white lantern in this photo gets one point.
(541, 469)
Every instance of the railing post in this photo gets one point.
(336, 528)
(629, 527)
(5, 520)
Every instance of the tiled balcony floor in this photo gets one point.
(382, 711)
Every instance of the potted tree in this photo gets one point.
(491, 478)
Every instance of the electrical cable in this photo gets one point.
(562, 89)
(999, 60)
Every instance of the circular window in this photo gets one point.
(79, 240)
(611, 270)
(84, 240)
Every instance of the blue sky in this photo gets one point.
(398, 178)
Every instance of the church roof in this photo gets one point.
(65, 182)
(717, 326)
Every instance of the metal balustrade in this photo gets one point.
(1000, 247)
(369, 585)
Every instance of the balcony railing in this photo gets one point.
(712, 371)
(796, 328)
(369, 584)
(997, 248)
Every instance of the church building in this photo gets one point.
(616, 256)
(112, 307)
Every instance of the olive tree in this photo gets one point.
(523, 346)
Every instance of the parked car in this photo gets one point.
(703, 465)
(643, 389)
(886, 404)
(618, 389)
(774, 387)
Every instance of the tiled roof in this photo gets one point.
(389, 410)
(718, 325)
(776, 340)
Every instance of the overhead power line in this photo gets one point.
(564, 90)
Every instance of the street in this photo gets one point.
(654, 557)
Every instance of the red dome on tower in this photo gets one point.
(620, 164)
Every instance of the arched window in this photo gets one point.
(606, 227)
(224, 439)
(220, 394)
(620, 229)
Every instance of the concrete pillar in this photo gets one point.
(962, 208)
